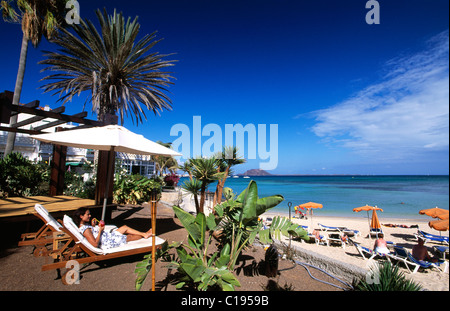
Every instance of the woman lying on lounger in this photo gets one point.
(96, 235)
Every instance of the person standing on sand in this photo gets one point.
(100, 238)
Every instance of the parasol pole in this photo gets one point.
(289, 205)
(153, 215)
(108, 178)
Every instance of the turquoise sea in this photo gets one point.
(398, 196)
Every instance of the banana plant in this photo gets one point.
(240, 225)
(194, 263)
(282, 226)
(203, 269)
(238, 221)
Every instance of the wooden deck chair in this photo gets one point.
(95, 254)
(49, 233)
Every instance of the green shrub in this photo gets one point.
(74, 185)
(19, 176)
(387, 277)
(134, 189)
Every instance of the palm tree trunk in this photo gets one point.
(221, 184)
(197, 205)
(17, 91)
(202, 197)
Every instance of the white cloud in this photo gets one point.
(404, 115)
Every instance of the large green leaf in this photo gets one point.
(249, 203)
(211, 221)
(264, 204)
(282, 226)
(200, 220)
(224, 258)
(194, 269)
(190, 224)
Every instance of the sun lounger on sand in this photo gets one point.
(367, 253)
(95, 254)
(44, 234)
(441, 250)
(336, 238)
(403, 255)
(49, 233)
(431, 237)
(320, 239)
(374, 232)
(343, 230)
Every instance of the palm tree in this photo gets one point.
(187, 167)
(163, 163)
(205, 171)
(38, 18)
(109, 63)
(228, 158)
(193, 186)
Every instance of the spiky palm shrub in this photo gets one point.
(205, 171)
(116, 69)
(387, 277)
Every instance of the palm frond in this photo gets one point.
(119, 73)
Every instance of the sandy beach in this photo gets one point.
(430, 279)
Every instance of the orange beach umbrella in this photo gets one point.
(435, 212)
(442, 214)
(310, 206)
(367, 208)
(375, 223)
(439, 225)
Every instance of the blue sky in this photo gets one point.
(347, 97)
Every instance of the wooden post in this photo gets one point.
(58, 169)
(103, 166)
(153, 202)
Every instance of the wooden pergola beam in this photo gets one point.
(16, 130)
(58, 116)
(56, 123)
(59, 152)
(37, 118)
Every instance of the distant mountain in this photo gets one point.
(255, 172)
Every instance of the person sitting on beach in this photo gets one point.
(96, 235)
(420, 252)
(380, 245)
